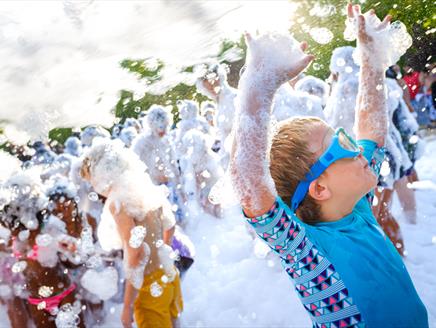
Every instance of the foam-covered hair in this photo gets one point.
(342, 61)
(26, 200)
(128, 134)
(159, 117)
(133, 122)
(90, 132)
(207, 106)
(73, 146)
(60, 185)
(113, 167)
(313, 86)
(188, 109)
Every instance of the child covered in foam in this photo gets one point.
(327, 237)
(200, 171)
(154, 146)
(213, 84)
(141, 215)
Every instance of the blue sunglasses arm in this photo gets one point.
(315, 171)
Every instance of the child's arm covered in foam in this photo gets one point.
(271, 61)
(371, 111)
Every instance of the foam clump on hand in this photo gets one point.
(274, 55)
(389, 43)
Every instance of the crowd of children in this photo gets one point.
(101, 218)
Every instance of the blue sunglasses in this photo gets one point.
(342, 146)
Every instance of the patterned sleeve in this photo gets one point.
(319, 286)
(283, 232)
(373, 153)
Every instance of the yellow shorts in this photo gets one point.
(150, 311)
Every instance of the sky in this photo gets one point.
(59, 60)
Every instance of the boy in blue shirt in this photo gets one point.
(312, 204)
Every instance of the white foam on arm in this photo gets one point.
(379, 45)
(269, 59)
(371, 108)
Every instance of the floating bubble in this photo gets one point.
(156, 290)
(385, 170)
(19, 266)
(164, 279)
(316, 66)
(92, 196)
(23, 235)
(413, 139)
(45, 291)
(433, 239)
(321, 35)
(206, 174)
(137, 235)
(67, 317)
(41, 305)
(322, 10)
(340, 62)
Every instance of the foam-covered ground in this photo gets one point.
(233, 284)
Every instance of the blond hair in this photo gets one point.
(290, 160)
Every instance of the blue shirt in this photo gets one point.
(347, 272)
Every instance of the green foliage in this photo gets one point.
(60, 134)
(418, 16)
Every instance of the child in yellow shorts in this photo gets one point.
(162, 308)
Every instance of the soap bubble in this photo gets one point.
(156, 290)
(41, 305)
(92, 196)
(413, 139)
(45, 291)
(321, 35)
(385, 170)
(67, 317)
(340, 62)
(137, 235)
(19, 266)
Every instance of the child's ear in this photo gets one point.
(318, 190)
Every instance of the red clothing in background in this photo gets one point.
(412, 81)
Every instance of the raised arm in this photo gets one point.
(271, 61)
(371, 111)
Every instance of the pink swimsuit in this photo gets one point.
(52, 302)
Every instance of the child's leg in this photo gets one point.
(17, 312)
(407, 199)
(388, 222)
(41, 318)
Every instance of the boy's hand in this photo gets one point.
(365, 22)
(277, 58)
